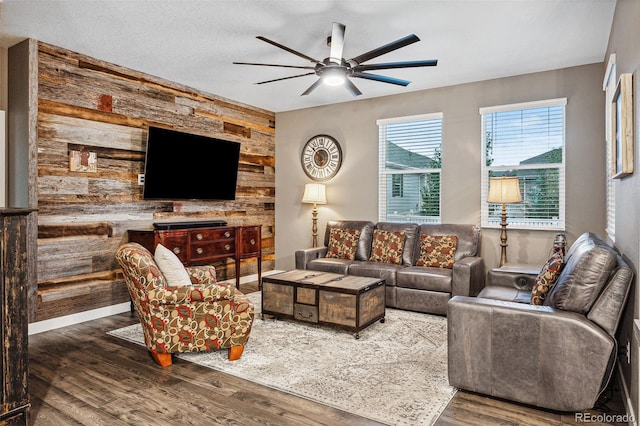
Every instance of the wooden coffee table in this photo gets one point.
(341, 301)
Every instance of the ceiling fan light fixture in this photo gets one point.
(333, 77)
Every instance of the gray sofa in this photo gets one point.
(410, 287)
(558, 356)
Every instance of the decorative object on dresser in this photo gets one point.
(202, 316)
(341, 301)
(314, 193)
(504, 190)
(14, 362)
(202, 243)
(559, 356)
(416, 266)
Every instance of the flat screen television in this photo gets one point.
(184, 166)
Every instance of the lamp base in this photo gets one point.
(503, 235)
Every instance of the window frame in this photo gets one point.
(561, 167)
(383, 173)
(609, 87)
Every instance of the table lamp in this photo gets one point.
(504, 190)
(314, 193)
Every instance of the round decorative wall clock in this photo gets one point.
(321, 157)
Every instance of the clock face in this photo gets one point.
(321, 157)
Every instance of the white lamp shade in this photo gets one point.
(504, 190)
(314, 193)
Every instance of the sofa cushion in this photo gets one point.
(171, 267)
(366, 230)
(410, 237)
(385, 271)
(547, 278)
(421, 278)
(507, 294)
(387, 247)
(468, 237)
(335, 266)
(437, 250)
(589, 263)
(343, 243)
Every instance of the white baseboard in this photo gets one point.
(67, 320)
(626, 399)
(53, 323)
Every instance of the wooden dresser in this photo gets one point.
(206, 245)
(14, 361)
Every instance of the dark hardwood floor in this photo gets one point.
(79, 375)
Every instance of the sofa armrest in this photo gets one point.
(304, 256)
(531, 354)
(468, 276)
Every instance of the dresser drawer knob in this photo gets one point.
(199, 250)
(199, 237)
(227, 234)
(176, 250)
(253, 241)
(227, 247)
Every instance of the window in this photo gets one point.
(526, 140)
(609, 86)
(409, 171)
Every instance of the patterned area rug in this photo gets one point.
(396, 373)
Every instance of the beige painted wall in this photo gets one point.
(624, 41)
(352, 194)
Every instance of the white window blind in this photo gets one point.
(609, 86)
(527, 141)
(410, 151)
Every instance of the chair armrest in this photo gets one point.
(191, 294)
(304, 256)
(468, 276)
(205, 274)
(531, 354)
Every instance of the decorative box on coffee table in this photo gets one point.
(341, 301)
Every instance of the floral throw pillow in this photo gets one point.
(343, 243)
(547, 278)
(437, 251)
(387, 246)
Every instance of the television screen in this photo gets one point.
(183, 166)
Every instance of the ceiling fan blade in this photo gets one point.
(381, 78)
(391, 65)
(274, 65)
(312, 87)
(337, 43)
(405, 41)
(348, 84)
(302, 55)
(285, 78)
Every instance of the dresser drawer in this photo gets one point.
(177, 244)
(212, 250)
(212, 234)
(250, 240)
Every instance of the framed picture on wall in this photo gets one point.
(622, 127)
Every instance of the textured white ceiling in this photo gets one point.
(195, 42)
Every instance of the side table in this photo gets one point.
(514, 275)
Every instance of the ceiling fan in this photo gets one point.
(335, 70)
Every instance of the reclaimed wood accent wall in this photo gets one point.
(85, 104)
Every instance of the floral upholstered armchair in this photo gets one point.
(202, 316)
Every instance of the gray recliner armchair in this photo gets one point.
(558, 356)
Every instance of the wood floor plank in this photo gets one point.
(79, 375)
